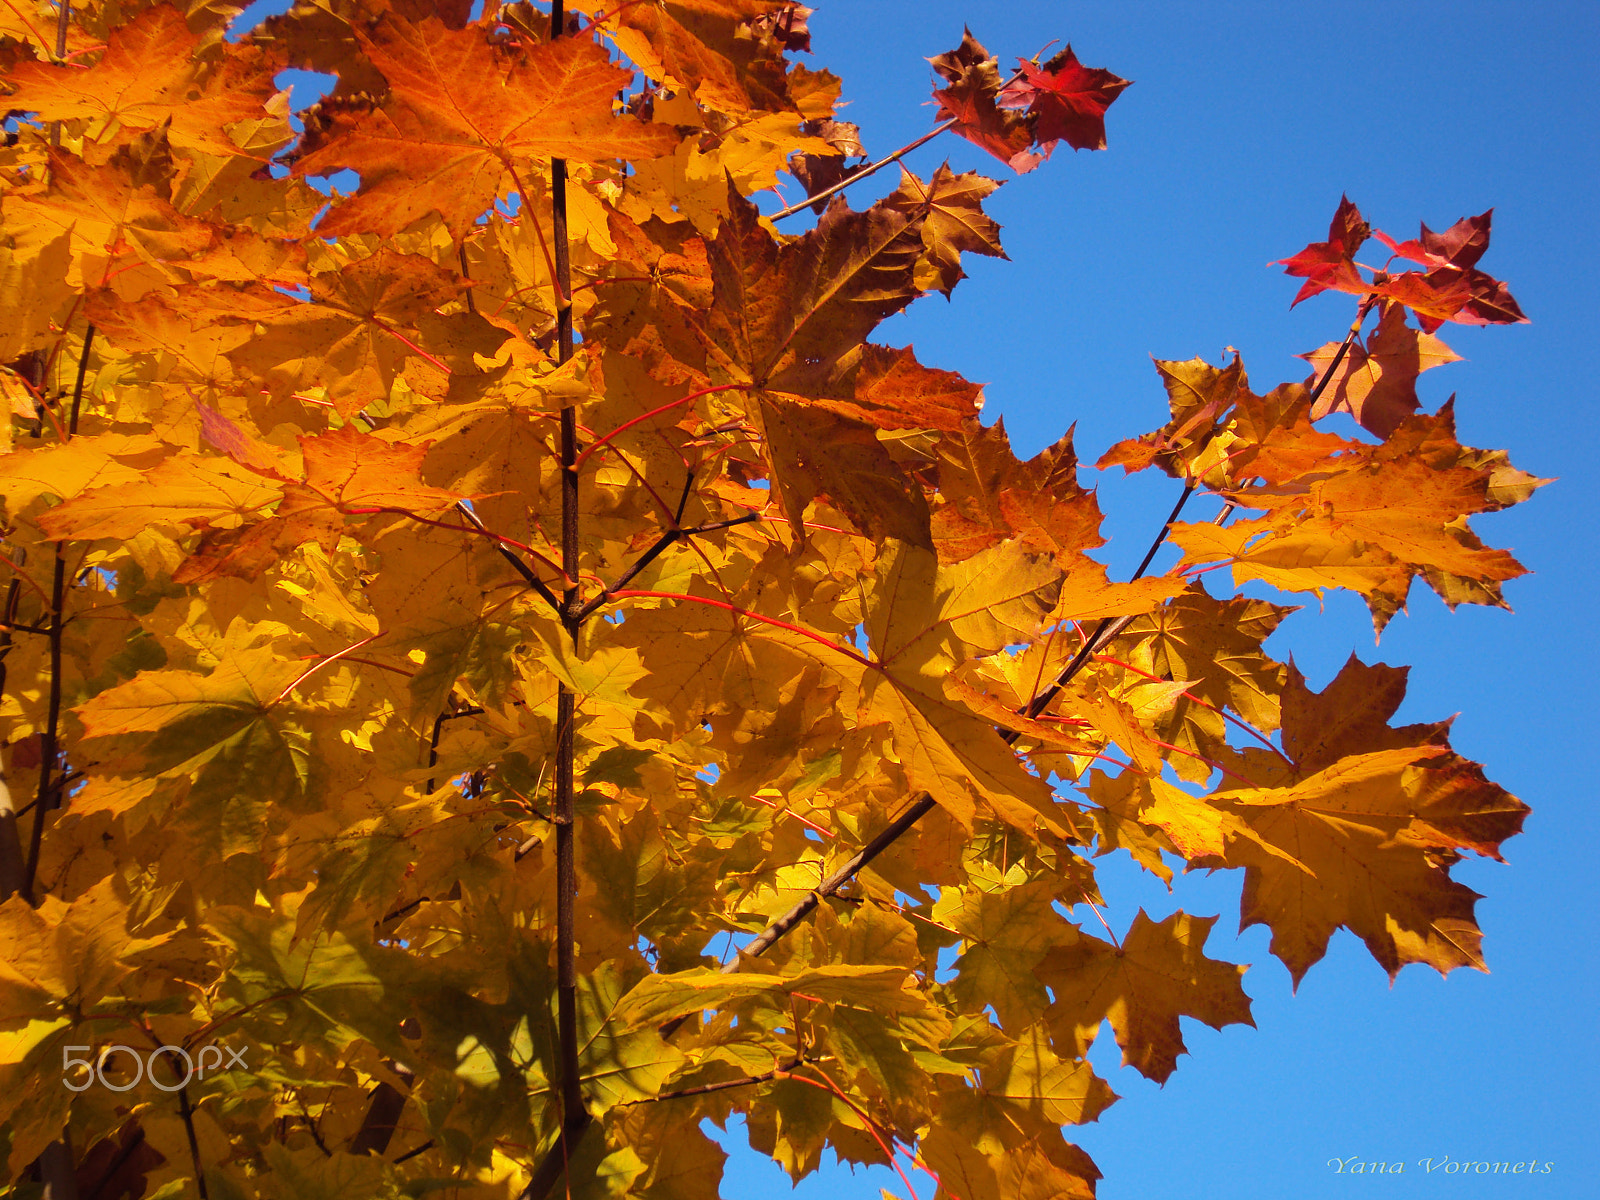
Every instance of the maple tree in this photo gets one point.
(505, 655)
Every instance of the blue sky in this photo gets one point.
(1245, 124)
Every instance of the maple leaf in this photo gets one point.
(1376, 816)
(1453, 289)
(1006, 935)
(181, 490)
(990, 496)
(66, 471)
(443, 142)
(107, 213)
(971, 99)
(1141, 986)
(1199, 397)
(954, 222)
(154, 75)
(922, 620)
(727, 56)
(344, 472)
(1067, 100)
(1381, 515)
(1376, 384)
(1331, 264)
(218, 727)
(63, 956)
(358, 331)
(1214, 648)
(786, 325)
(789, 313)
(820, 172)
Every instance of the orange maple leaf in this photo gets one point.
(460, 113)
(150, 76)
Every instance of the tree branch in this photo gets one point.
(187, 1113)
(649, 556)
(471, 710)
(12, 866)
(521, 568)
(574, 1113)
(50, 738)
(874, 168)
(727, 1084)
(550, 1168)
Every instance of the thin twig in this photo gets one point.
(533, 581)
(49, 739)
(727, 1084)
(1108, 627)
(187, 1113)
(117, 1163)
(77, 389)
(873, 168)
(311, 1126)
(649, 556)
(574, 1113)
(1344, 348)
(471, 710)
(461, 257)
(427, 1145)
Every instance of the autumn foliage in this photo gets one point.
(504, 653)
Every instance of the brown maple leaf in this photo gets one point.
(786, 327)
(970, 98)
(953, 222)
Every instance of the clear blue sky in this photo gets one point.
(1245, 124)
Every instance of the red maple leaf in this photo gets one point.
(1453, 289)
(1331, 264)
(1067, 99)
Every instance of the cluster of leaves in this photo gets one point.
(364, 573)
